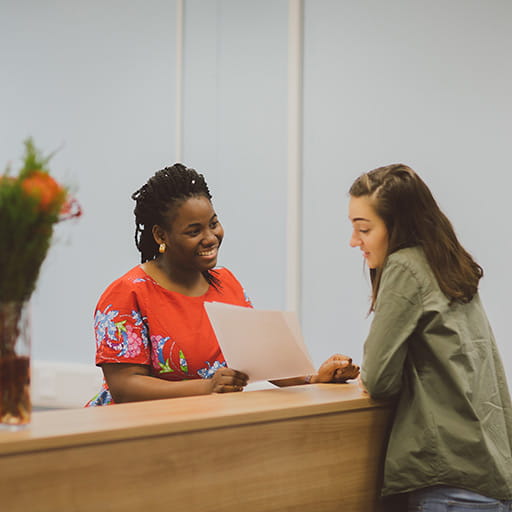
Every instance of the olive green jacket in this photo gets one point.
(453, 422)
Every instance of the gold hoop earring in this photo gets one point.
(161, 248)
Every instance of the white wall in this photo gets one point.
(96, 79)
(425, 83)
(234, 115)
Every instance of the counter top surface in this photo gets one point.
(61, 428)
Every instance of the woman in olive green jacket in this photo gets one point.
(432, 349)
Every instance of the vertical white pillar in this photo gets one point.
(294, 217)
(179, 79)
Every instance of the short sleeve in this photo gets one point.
(120, 329)
(397, 312)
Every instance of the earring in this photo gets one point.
(161, 249)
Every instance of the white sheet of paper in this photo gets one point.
(266, 345)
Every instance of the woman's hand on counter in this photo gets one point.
(134, 383)
(227, 380)
(338, 368)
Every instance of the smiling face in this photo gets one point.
(369, 231)
(194, 237)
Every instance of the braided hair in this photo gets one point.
(166, 189)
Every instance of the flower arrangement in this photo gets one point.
(31, 202)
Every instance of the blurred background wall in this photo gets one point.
(281, 103)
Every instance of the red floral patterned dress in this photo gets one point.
(139, 322)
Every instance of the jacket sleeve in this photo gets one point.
(397, 312)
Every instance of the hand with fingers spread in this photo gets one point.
(227, 380)
(338, 368)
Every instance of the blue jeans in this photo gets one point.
(441, 498)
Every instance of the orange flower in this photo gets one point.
(41, 185)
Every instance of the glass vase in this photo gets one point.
(15, 346)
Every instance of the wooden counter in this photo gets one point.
(305, 448)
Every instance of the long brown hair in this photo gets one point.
(413, 218)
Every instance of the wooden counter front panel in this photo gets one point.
(319, 463)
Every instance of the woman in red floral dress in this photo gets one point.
(153, 336)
